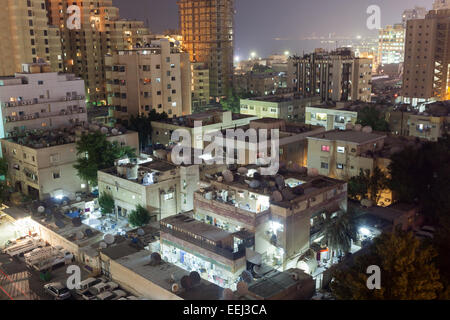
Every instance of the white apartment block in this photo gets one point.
(37, 99)
(41, 166)
(157, 76)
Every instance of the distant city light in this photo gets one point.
(253, 55)
(237, 58)
(286, 53)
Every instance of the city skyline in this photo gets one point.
(256, 35)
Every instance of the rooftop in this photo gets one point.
(187, 223)
(295, 183)
(39, 139)
(210, 117)
(161, 275)
(358, 137)
(275, 283)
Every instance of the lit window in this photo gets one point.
(168, 196)
(326, 148)
(341, 149)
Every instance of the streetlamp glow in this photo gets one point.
(286, 53)
(253, 54)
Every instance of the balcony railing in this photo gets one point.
(226, 253)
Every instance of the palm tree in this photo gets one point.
(339, 231)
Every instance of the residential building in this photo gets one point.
(135, 271)
(27, 37)
(343, 154)
(330, 117)
(293, 142)
(200, 86)
(159, 186)
(292, 284)
(38, 99)
(156, 77)
(334, 76)
(207, 28)
(415, 13)
(431, 124)
(259, 83)
(276, 216)
(283, 106)
(425, 76)
(209, 121)
(40, 163)
(441, 4)
(391, 45)
(218, 255)
(102, 32)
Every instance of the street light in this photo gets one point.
(253, 54)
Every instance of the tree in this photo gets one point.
(368, 185)
(96, 153)
(139, 217)
(358, 187)
(106, 203)
(143, 125)
(3, 167)
(339, 231)
(371, 116)
(4, 190)
(378, 182)
(421, 174)
(407, 269)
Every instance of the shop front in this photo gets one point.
(208, 268)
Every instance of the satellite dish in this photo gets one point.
(140, 232)
(195, 277)
(277, 196)
(257, 270)
(242, 288)
(175, 287)
(186, 282)
(349, 126)
(228, 294)
(280, 182)
(220, 179)
(243, 170)
(228, 176)
(247, 276)
(79, 235)
(109, 238)
(88, 233)
(59, 224)
(103, 245)
(367, 129)
(155, 258)
(104, 130)
(287, 194)
(115, 132)
(358, 127)
(41, 209)
(254, 184)
(78, 199)
(76, 222)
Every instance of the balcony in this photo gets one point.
(226, 253)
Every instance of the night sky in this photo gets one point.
(270, 26)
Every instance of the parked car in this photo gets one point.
(119, 294)
(94, 291)
(106, 296)
(57, 290)
(88, 283)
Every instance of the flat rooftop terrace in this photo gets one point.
(161, 275)
(359, 137)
